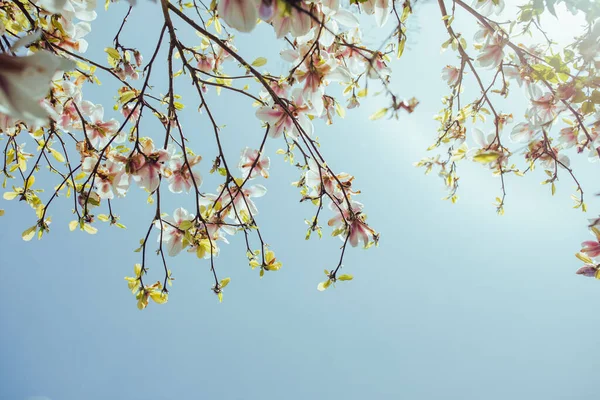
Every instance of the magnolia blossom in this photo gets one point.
(352, 220)
(239, 14)
(518, 74)
(591, 247)
(568, 137)
(594, 154)
(451, 75)
(588, 270)
(318, 178)
(70, 94)
(331, 28)
(146, 165)
(282, 121)
(492, 52)
(179, 175)
(80, 9)
(205, 63)
(172, 235)
(110, 178)
(487, 145)
(239, 201)
(287, 18)
(252, 164)
(72, 35)
(523, 132)
(25, 81)
(131, 112)
(488, 7)
(380, 8)
(98, 131)
(545, 107)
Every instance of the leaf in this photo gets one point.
(259, 62)
(29, 233)
(185, 225)
(486, 157)
(159, 297)
(113, 53)
(401, 46)
(224, 282)
(323, 285)
(90, 229)
(584, 258)
(57, 156)
(73, 225)
(29, 182)
(379, 114)
(347, 277)
(10, 195)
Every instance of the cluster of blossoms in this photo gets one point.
(590, 253)
(98, 159)
(560, 84)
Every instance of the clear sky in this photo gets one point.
(456, 303)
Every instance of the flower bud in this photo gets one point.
(138, 58)
(587, 270)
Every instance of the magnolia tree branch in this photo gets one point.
(98, 160)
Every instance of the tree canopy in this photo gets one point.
(59, 145)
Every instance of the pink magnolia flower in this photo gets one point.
(172, 235)
(239, 14)
(179, 175)
(517, 74)
(280, 88)
(146, 165)
(72, 35)
(99, 132)
(249, 158)
(314, 70)
(588, 270)
(282, 121)
(483, 34)
(546, 107)
(591, 248)
(110, 178)
(492, 52)
(523, 132)
(25, 81)
(378, 68)
(205, 63)
(353, 222)
(318, 178)
(129, 110)
(451, 75)
(380, 8)
(568, 136)
(287, 18)
(266, 9)
(241, 200)
(80, 9)
(487, 7)
(130, 71)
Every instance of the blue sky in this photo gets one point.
(456, 303)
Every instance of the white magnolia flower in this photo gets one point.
(81, 9)
(25, 81)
